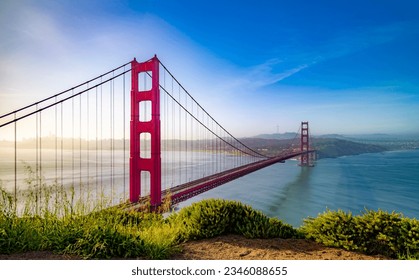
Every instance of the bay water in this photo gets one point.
(387, 181)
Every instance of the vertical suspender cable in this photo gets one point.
(62, 144)
(113, 134)
(200, 146)
(80, 155)
(96, 146)
(186, 141)
(56, 152)
(123, 133)
(15, 190)
(36, 163)
(40, 158)
(101, 142)
(207, 148)
(72, 142)
(180, 136)
(173, 139)
(214, 150)
(164, 131)
(88, 141)
(164, 100)
(56, 142)
(192, 141)
(110, 138)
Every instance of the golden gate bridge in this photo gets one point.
(80, 139)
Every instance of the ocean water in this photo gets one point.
(387, 181)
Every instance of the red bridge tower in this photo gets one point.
(305, 159)
(145, 165)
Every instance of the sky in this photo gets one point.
(257, 67)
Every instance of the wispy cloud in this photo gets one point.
(268, 72)
(295, 60)
(252, 79)
(358, 39)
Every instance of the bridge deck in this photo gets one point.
(185, 191)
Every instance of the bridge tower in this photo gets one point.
(305, 159)
(145, 165)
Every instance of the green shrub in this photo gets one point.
(374, 232)
(205, 219)
(408, 241)
(105, 242)
(335, 229)
(378, 232)
(116, 233)
(17, 236)
(213, 217)
(160, 240)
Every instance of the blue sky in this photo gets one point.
(345, 66)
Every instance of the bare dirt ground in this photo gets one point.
(234, 247)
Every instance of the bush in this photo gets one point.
(335, 229)
(117, 233)
(214, 217)
(104, 242)
(408, 241)
(374, 232)
(378, 232)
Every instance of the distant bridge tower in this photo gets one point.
(305, 159)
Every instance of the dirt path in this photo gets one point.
(234, 247)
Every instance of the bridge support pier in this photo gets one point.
(145, 165)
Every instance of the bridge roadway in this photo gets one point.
(185, 191)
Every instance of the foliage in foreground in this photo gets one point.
(73, 226)
(118, 233)
(374, 232)
(100, 233)
(214, 217)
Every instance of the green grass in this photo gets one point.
(72, 228)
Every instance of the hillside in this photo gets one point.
(326, 147)
(332, 148)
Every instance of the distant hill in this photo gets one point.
(326, 147)
(279, 136)
(389, 141)
(337, 136)
(332, 147)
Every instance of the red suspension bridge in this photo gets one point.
(80, 139)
